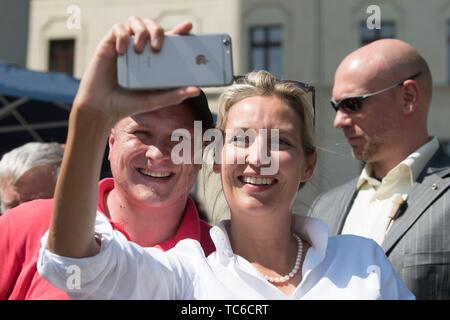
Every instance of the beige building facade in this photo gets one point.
(310, 37)
(13, 45)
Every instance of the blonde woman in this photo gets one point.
(262, 252)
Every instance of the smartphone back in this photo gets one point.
(190, 60)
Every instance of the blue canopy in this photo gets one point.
(43, 86)
(34, 106)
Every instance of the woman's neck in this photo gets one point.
(268, 244)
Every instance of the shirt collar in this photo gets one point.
(105, 186)
(413, 164)
(189, 226)
(366, 177)
(419, 158)
(310, 229)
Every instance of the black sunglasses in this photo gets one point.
(309, 89)
(354, 104)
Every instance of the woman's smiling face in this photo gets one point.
(245, 181)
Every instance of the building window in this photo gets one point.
(266, 49)
(387, 30)
(61, 55)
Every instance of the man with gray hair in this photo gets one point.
(29, 172)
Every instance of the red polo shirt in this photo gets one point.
(22, 228)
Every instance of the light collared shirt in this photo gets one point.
(340, 267)
(377, 203)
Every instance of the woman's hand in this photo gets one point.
(99, 93)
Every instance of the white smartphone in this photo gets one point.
(203, 60)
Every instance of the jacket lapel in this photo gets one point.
(429, 186)
(347, 201)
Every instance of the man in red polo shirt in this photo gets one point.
(147, 199)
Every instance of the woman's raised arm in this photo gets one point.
(99, 104)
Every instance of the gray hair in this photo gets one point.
(15, 163)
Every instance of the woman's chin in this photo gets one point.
(254, 207)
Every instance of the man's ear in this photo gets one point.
(310, 165)
(410, 96)
(111, 140)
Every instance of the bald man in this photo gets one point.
(381, 96)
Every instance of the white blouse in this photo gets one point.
(340, 267)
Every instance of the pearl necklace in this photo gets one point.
(296, 266)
